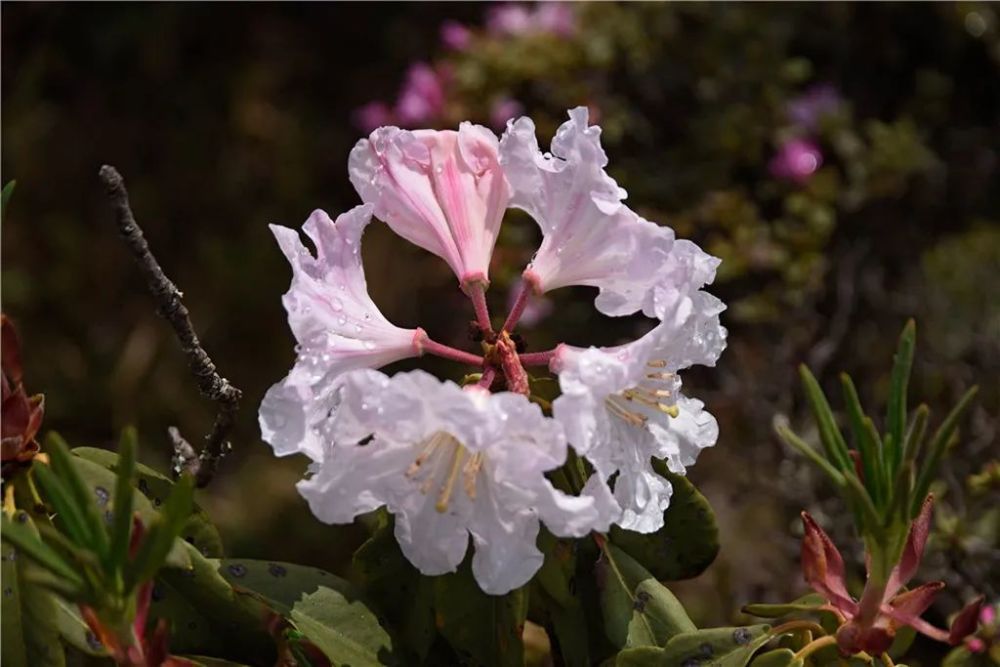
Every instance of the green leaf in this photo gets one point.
(830, 436)
(487, 628)
(687, 543)
(343, 628)
(281, 585)
(30, 636)
(190, 630)
(866, 444)
(397, 590)
(100, 481)
(122, 521)
(555, 588)
(895, 417)
(939, 443)
(74, 630)
(642, 656)
(161, 535)
(63, 465)
(199, 529)
(793, 440)
(5, 194)
(237, 618)
(638, 610)
(724, 647)
(205, 661)
(810, 602)
(781, 657)
(68, 515)
(22, 535)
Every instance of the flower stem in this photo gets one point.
(519, 303)
(814, 646)
(537, 358)
(489, 373)
(448, 352)
(477, 292)
(815, 628)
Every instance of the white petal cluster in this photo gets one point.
(450, 463)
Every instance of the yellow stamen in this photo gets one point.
(623, 413)
(425, 453)
(657, 363)
(456, 464)
(470, 472)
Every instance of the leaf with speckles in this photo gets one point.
(638, 610)
(688, 541)
(281, 585)
(74, 630)
(30, 633)
(199, 529)
(724, 647)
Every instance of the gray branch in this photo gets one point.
(168, 302)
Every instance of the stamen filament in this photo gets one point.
(620, 411)
(449, 485)
(470, 472)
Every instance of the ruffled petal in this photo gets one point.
(506, 556)
(590, 236)
(595, 509)
(293, 415)
(443, 191)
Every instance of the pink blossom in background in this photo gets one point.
(809, 108)
(503, 110)
(372, 115)
(557, 18)
(513, 19)
(455, 36)
(422, 97)
(796, 161)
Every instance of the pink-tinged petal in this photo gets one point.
(852, 638)
(503, 110)
(443, 191)
(455, 36)
(913, 551)
(509, 19)
(336, 325)
(796, 161)
(422, 98)
(913, 603)
(589, 236)
(823, 567)
(965, 622)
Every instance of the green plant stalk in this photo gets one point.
(867, 445)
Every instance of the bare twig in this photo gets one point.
(168, 301)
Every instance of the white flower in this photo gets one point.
(622, 406)
(448, 463)
(337, 326)
(590, 236)
(443, 191)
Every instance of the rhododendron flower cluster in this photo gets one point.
(450, 461)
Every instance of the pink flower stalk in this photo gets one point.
(796, 161)
(455, 35)
(870, 624)
(422, 98)
(443, 191)
(372, 115)
(503, 110)
(809, 108)
(533, 310)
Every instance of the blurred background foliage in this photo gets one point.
(843, 160)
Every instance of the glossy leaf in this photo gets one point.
(637, 609)
(485, 629)
(688, 541)
(161, 534)
(190, 630)
(281, 585)
(30, 636)
(344, 629)
(121, 524)
(85, 504)
(830, 436)
(724, 647)
(810, 602)
(868, 446)
(21, 534)
(199, 529)
(74, 630)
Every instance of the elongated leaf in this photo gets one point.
(281, 585)
(555, 589)
(804, 448)
(687, 543)
(74, 631)
(161, 535)
(830, 436)
(20, 533)
(30, 637)
(938, 445)
(190, 630)
(122, 522)
(867, 445)
(345, 630)
(638, 610)
(725, 647)
(101, 483)
(810, 602)
(486, 629)
(781, 657)
(199, 529)
(64, 466)
(895, 418)
(68, 516)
